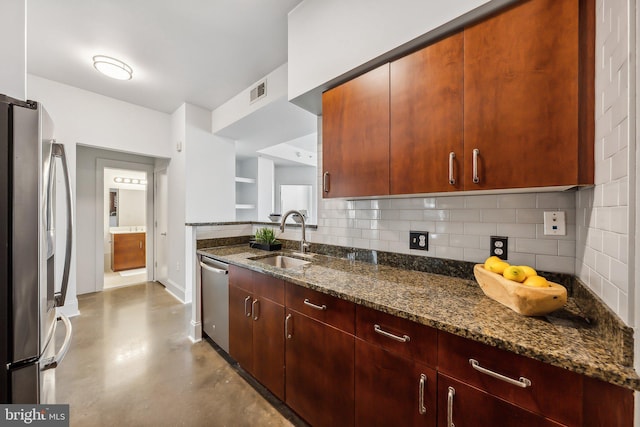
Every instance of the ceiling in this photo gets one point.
(198, 51)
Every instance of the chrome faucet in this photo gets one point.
(304, 246)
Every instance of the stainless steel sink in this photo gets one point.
(282, 261)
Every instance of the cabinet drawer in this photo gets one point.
(403, 337)
(325, 308)
(553, 391)
(241, 278)
(268, 287)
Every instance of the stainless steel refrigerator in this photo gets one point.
(29, 162)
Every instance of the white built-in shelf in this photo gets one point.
(245, 180)
(245, 206)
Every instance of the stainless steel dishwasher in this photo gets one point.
(214, 277)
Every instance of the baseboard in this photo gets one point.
(174, 289)
(70, 309)
(195, 331)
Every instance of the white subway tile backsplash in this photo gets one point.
(498, 215)
(437, 239)
(610, 294)
(480, 202)
(566, 248)
(449, 252)
(474, 255)
(517, 230)
(529, 216)
(516, 258)
(465, 215)
(543, 247)
(450, 227)
(390, 235)
(558, 264)
(465, 241)
(610, 244)
(521, 201)
(603, 265)
(453, 202)
(436, 215)
(620, 275)
(478, 228)
(429, 226)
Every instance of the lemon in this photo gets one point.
(514, 273)
(536, 282)
(528, 270)
(490, 261)
(498, 266)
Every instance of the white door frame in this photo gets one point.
(101, 164)
(160, 202)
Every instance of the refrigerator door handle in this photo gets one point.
(58, 151)
(54, 361)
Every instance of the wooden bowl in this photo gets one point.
(526, 300)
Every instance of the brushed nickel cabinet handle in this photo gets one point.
(287, 334)
(521, 382)
(379, 330)
(422, 409)
(140, 244)
(325, 182)
(450, 395)
(255, 309)
(476, 178)
(247, 312)
(452, 180)
(312, 305)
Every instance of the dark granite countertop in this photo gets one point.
(563, 338)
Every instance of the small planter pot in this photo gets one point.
(265, 246)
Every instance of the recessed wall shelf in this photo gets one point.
(245, 206)
(245, 180)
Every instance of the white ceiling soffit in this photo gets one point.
(277, 122)
(301, 151)
(198, 51)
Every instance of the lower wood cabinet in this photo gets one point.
(461, 405)
(391, 390)
(351, 365)
(320, 356)
(128, 251)
(256, 339)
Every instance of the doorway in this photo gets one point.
(124, 217)
(125, 227)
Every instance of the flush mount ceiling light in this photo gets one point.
(112, 67)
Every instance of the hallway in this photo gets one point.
(131, 364)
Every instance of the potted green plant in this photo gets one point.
(265, 239)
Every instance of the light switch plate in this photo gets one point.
(555, 224)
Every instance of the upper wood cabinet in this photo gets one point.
(506, 103)
(521, 91)
(355, 134)
(426, 152)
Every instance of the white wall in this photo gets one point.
(83, 117)
(239, 107)
(330, 38)
(13, 49)
(265, 184)
(210, 177)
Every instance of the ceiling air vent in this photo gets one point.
(258, 92)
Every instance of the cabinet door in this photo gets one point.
(355, 136)
(467, 406)
(426, 119)
(521, 96)
(319, 372)
(390, 390)
(268, 345)
(241, 327)
(128, 251)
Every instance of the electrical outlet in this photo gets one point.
(499, 246)
(555, 224)
(419, 240)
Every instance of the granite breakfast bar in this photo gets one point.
(567, 338)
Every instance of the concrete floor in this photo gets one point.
(131, 364)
